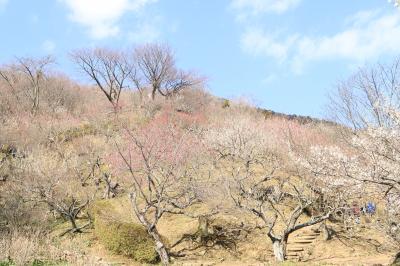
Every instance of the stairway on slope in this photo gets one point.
(300, 243)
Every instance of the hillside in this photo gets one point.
(164, 175)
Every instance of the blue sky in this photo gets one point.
(285, 55)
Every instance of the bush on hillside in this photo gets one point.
(75, 132)
(123, 238)
(191, 101)
(226, 104)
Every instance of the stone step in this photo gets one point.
(299, 241)
(310, 234)
(304, 236)
(307, 237)
(293, 258)
(294, 245)
(289, 249)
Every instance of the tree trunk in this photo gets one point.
(107, 190)
(73, 224)
(35, 106)
(396, 259)
(279, 247)
(160, 247)
(325, 231)
(203, 228)
(152, 230)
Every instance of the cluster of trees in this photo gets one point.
(149, 67)
(63, 181)
(260, 181)
(238, 163)
(29, 84)
(175, 161)
(368, 103)
(316, 184)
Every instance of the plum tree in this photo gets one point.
(258, 181)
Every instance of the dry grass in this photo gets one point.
(23, 248)
(254, 249)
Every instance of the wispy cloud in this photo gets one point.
(147, 30)
(101, 17)
(366, 36)
(246, 8)
(257, 42)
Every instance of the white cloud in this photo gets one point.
(146, 31)
(48, 46)
(259, 43)
(364, 40)
(101, 17)
(246, 8)
(367, 36)
(150, 29)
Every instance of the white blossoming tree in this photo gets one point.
(257, 180)
(370, 152)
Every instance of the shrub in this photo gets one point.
(6, 263)
(75, 132)
(128, 239)
(226, 104)
(37, 262)
(7, 154)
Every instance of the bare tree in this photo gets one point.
(98, 174)
(356, 101)
(163, 173)
(46, 177)
(258, 181)
(104, 176)
(109, 69)
(372, 106)
(70, 209)
(156, 63)
(33, 72)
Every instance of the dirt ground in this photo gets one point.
(364, 247)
